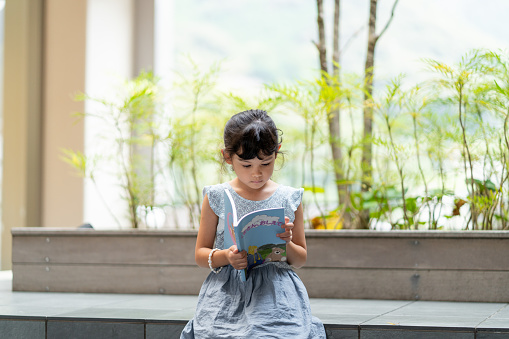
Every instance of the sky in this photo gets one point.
(264, 41)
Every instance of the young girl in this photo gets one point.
(273, 302)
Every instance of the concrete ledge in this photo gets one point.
(396, 265)
(77, 315)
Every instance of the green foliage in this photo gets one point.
(440, 156)
(160, 157)
(130, 123)
(440, 148)
(193, 135)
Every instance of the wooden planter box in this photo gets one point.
(404, 265)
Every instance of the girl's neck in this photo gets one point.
(258, 194)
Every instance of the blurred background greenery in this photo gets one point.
(408, 132)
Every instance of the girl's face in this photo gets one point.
(254, 173)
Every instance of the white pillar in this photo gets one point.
(110, 29)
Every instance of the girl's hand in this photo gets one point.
(287, 234)
(237, 259)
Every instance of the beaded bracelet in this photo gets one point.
(215, 270)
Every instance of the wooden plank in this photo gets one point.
(407, 253)
(404, 234)
(449, 285)
(53, 231)
(109, 279)
(347, 252)
(384, 265)
(59, 231)
(439, 285)
(357, 283)
(105, 250)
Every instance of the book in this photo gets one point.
(255, 233)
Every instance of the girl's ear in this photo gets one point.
(226, 157)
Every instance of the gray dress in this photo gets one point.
(272, 303)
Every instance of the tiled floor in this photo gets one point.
(77, 315)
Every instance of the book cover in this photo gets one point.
(255, 233)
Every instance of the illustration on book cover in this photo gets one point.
(256, 233)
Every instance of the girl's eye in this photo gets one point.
(266, 164)
(246, 166)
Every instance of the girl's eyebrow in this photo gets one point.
(268, 158)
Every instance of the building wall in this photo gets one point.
(63, 77)
(47, 56)
(22, 108)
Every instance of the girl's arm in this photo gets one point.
(296, 250)
(205, 241)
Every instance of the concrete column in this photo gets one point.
(44, 65)
(22, 109)
(64, 76)
(143, 36)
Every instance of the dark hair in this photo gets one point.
(251, 134)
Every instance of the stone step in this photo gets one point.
(146, 316)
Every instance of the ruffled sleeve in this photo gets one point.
(294, 199)
(215, 194)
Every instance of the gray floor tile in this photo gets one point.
(23, 329)
(129, 314)
(180, 315)
(95, 329)
(345, 306)
(61, 299)
(414, 334)
(495, 323)
(164, 316)
(492, 335)
(164, 331)
(344, 319)
(340, 333)
(32, 311)
(438, 309)
(426, 321)
(503, 313)
(8, 298)
(162, 302)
